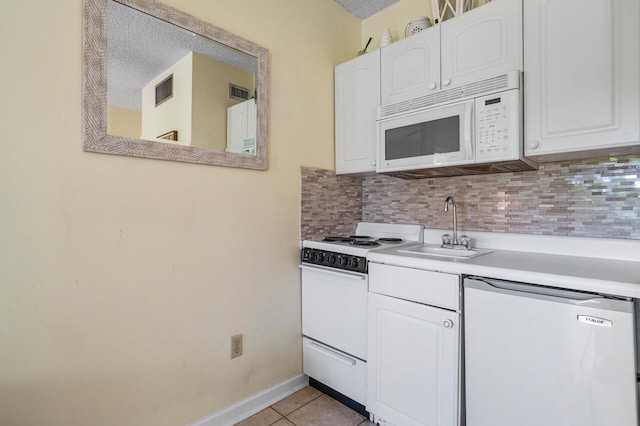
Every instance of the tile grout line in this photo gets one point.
(285, 416)
(307, 403)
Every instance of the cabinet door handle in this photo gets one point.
(447, 324)
(533, 145)
(432, 86)
(446, 82)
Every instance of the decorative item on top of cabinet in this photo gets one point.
(363, 51)
(482, 43)
(443, 9)
(385, 38)
(416, 25)
(582, 88)
(357, 97)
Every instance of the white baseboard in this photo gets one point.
(249, 406)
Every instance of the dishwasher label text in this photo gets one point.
(595, 321)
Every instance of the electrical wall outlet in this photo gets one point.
(236, 345)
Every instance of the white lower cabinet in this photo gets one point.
(413, 372)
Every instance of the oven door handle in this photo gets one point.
(332, 271)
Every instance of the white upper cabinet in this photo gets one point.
(357, 96)
(411, 67)
(482, 43)
(581, 70)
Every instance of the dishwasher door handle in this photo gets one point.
(571, 297)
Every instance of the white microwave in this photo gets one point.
(478, 129)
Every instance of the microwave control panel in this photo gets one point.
(498, 130)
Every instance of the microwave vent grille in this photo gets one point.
(458, 93)
(521, 165)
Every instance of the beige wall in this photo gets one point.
(175, 112)
(122, 279)
(211, 80)
(124, 122)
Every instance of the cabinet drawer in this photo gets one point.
(339, 371)
(428, 287)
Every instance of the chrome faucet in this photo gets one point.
(452, 201)
(447, 241)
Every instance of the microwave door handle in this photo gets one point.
(468, 115)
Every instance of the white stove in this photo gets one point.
(334, 307)
(368, 237)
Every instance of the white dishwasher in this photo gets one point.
(544, 356)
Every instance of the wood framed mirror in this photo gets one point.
(121, 112)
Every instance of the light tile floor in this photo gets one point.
(307, 407)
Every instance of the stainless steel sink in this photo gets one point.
(436, 250)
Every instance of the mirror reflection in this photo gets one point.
(168, 84)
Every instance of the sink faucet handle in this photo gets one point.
(464, 240)
(446, 239)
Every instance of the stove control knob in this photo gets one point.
(320, 257)
(342, 260)
(355, 262)
(332, 259)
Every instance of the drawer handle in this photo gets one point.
(333, 354)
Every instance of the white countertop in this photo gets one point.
(549, 263)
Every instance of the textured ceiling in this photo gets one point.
(364, 8)
(141, 47)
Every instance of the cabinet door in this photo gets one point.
(482, 43)
(581, 67)
(412, 372)
(410, 68)
(357, 96)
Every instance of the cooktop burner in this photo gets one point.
(365, 243)
(337, 239)
(361, 237)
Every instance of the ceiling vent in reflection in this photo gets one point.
(237, 92)
(164, 90)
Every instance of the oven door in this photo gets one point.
(334, 308)
(436, 137)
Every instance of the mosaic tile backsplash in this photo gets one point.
(330, 204)
(595, 198)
